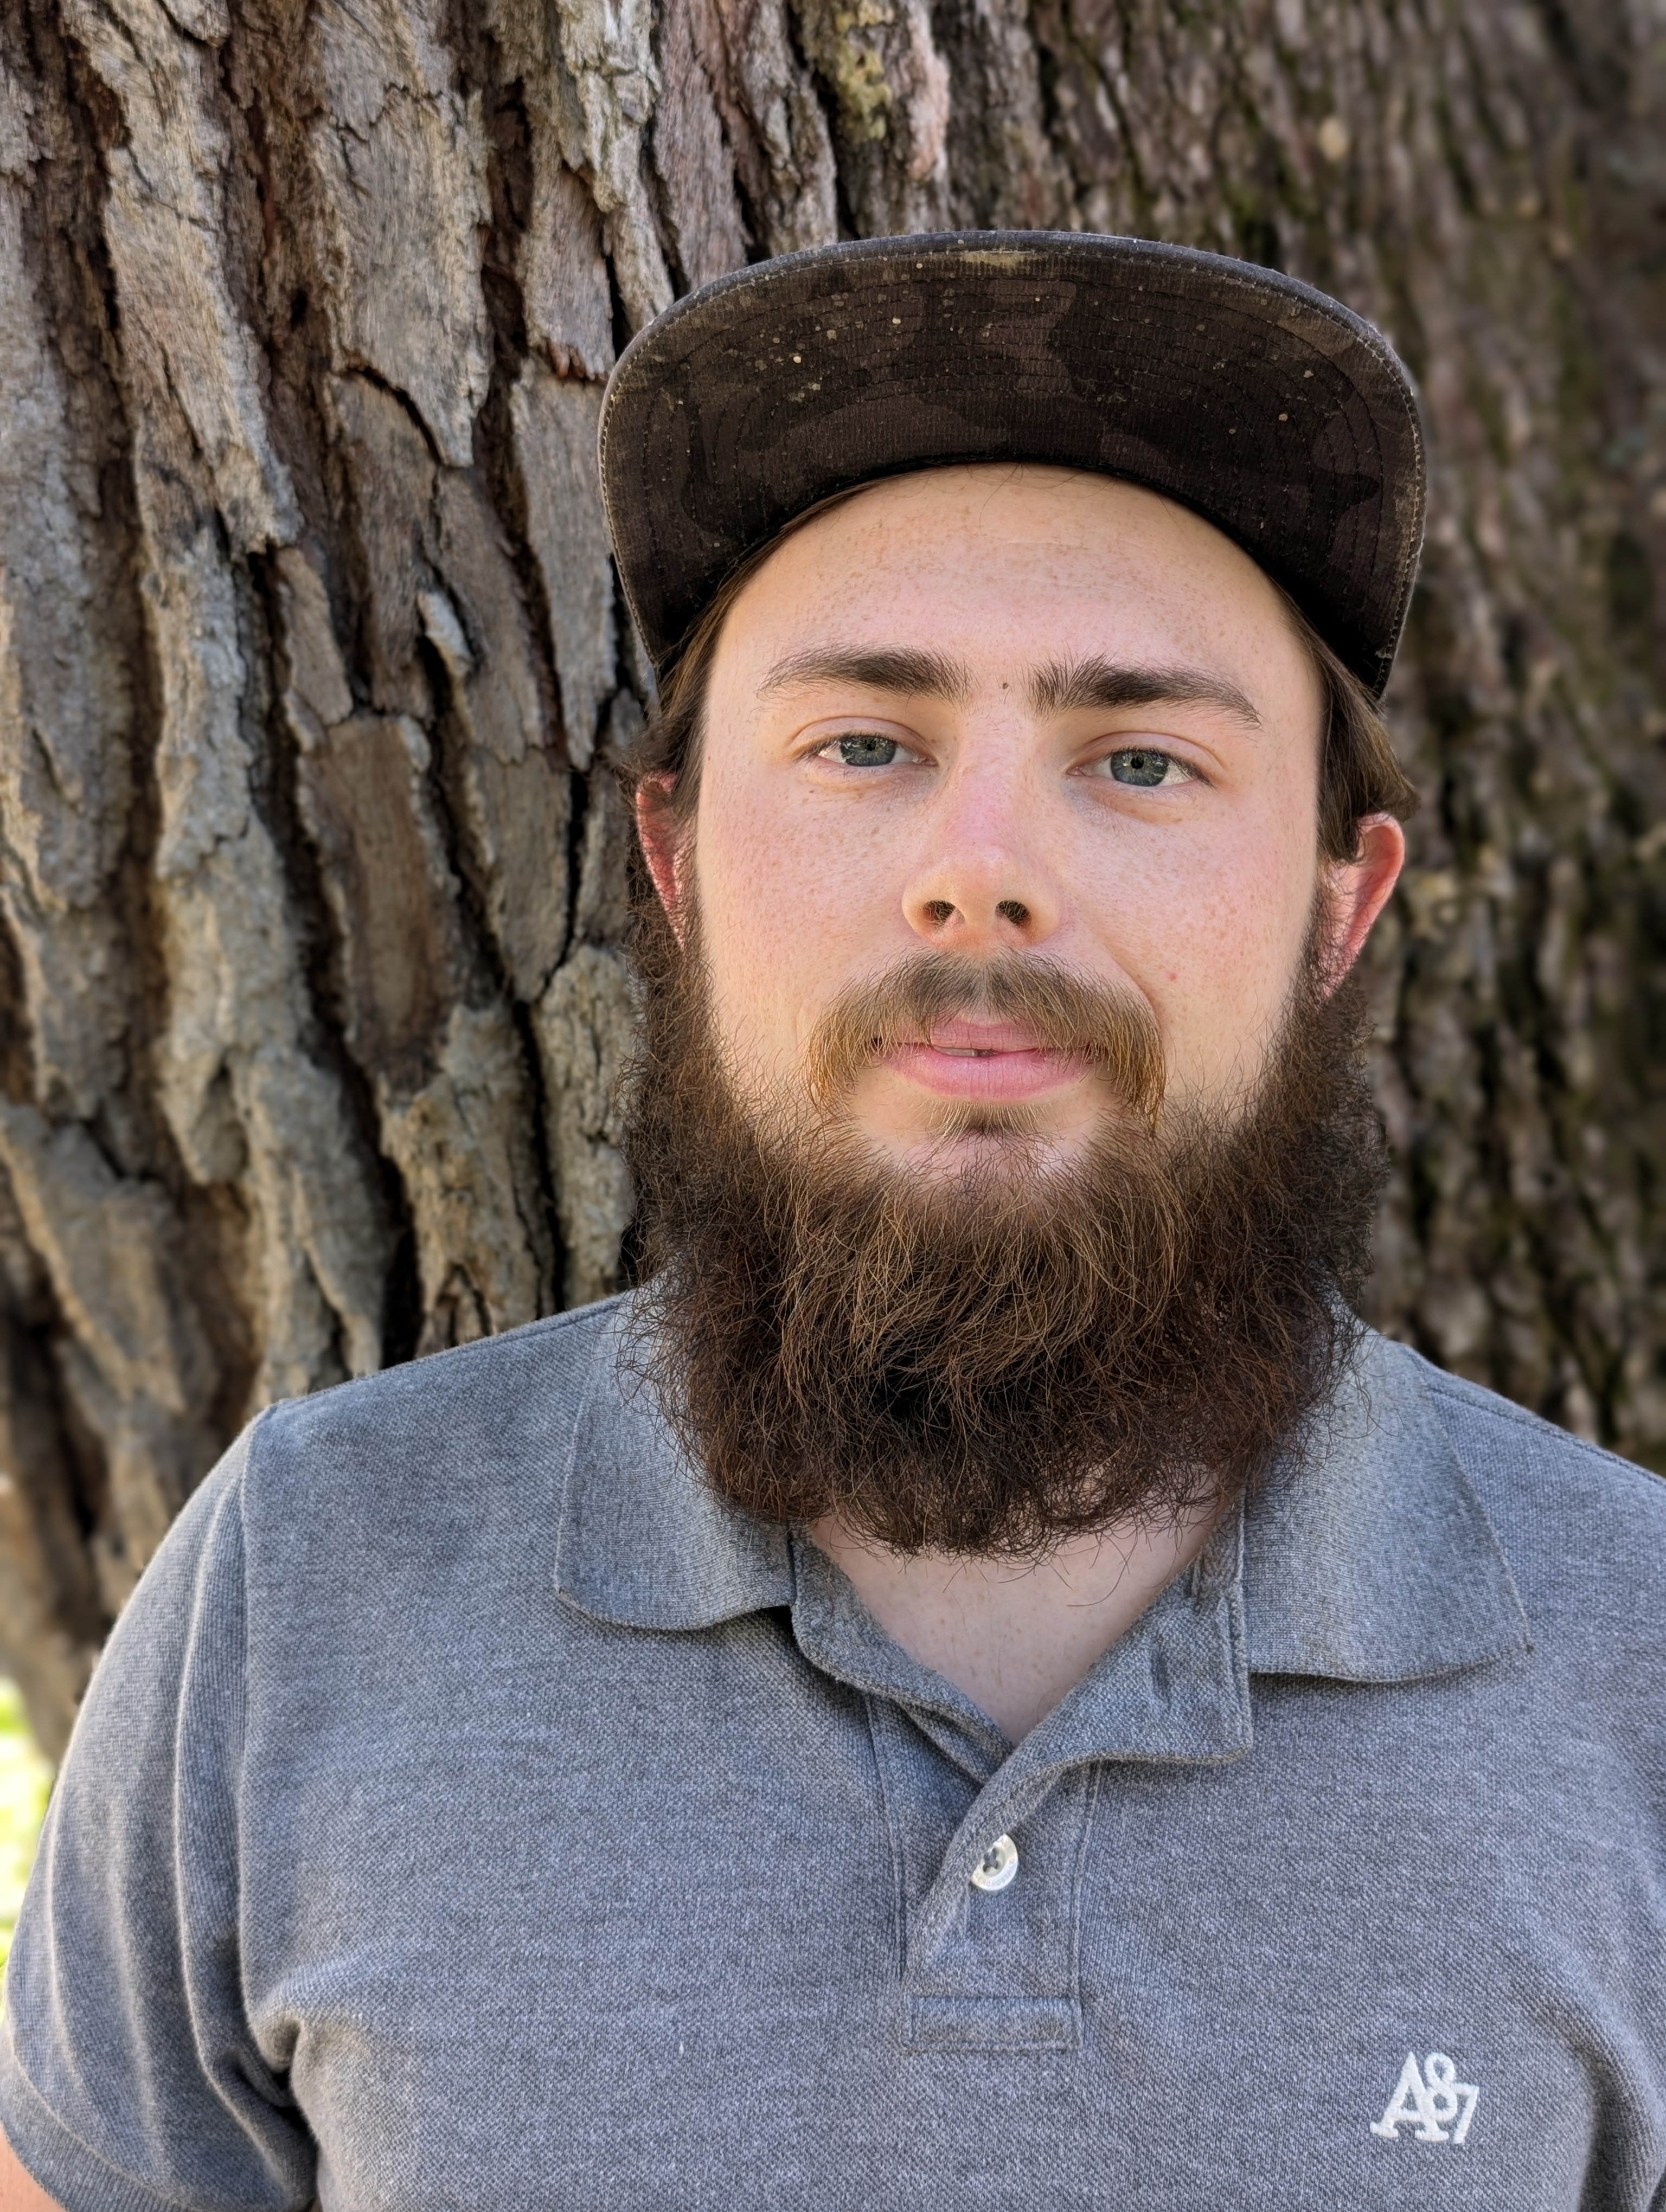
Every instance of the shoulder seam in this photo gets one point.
(546, 1325)
(1439, 1385)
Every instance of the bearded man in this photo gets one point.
(980, 1683)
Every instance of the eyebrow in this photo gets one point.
(900, 668)
(1061, 687)
(1064, 686)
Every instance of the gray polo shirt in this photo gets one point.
(469, 1813)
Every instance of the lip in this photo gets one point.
(985, 1059)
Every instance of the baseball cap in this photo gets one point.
(1267, 407)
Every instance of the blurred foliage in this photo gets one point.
(25, 1780)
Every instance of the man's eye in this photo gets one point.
(1145, 765)
(863, 751)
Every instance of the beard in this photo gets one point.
(1005, 1350)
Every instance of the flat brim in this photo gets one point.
(1269, 409)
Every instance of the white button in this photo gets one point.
(998, 1866)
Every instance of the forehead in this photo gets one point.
(997, 563)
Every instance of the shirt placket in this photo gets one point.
(990, 1843)
(990, 1900)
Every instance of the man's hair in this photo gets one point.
(1359, 773)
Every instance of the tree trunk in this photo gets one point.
(312, 870)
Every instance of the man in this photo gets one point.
(979, 1684)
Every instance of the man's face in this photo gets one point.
(998, 761)
(980, 710)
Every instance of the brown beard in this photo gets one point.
(991, 1359)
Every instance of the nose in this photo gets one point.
(980, 886)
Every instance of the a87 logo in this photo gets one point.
(1431, 2100)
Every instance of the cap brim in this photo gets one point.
(1265, 406)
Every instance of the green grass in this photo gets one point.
(25, 1778)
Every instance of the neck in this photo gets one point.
(1016, 1634)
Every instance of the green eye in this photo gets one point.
(867, 752)
(1140, 764)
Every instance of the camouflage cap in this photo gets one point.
(1270, 409)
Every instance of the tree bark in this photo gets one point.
(311, 658)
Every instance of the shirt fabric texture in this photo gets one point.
(470, 1811)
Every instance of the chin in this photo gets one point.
(982, 1140)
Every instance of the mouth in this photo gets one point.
(966, 1058)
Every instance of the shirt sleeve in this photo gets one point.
(130, 2076)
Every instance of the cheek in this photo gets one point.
(787, 899)
(733, 882)
(739, 870)
(1213, 931)
(1248, 906)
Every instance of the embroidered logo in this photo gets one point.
(1431, 2101)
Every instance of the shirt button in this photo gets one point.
(998, 1866)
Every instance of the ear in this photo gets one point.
(663, 847)
(1359, 890)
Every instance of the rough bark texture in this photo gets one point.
(311, 659)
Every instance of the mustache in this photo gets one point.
(1113, 1030)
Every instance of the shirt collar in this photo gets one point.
(643, 1540)
(1374, 1563)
